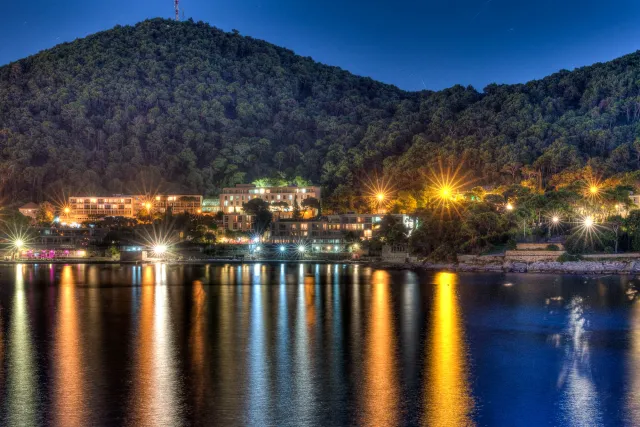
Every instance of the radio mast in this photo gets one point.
(175, 2)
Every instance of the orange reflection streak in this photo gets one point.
(69, 392)
(198, 343)
(381, 389)
(447, 396)
(155, 395)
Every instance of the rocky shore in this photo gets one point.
(555, 267)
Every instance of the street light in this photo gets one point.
(509, 207)
(19, 243)
(301, 248)
(588, 222)
(555, 219)
(282, 249)
(159, 249)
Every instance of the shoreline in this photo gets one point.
(538, 267)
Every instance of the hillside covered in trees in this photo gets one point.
(187, 107)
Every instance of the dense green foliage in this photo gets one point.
(187, 107)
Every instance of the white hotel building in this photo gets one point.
(232, 198)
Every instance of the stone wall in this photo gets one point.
(532, 256)
(537, 246)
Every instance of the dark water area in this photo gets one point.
(314, 344)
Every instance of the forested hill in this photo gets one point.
(188, 107)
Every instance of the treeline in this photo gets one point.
(183, 106)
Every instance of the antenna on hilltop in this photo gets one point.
(175, 3)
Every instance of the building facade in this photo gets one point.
(85, 208)
(282, 199)
(237, 222)
(29, 210)
(332, 229)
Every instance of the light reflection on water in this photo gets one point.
(448, 396)
(313, 344)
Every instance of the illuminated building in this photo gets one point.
(332, 228)
(29, 210)
(232, 198)
(237, 222)
(84, 208)
(210, 205)
(178, 203)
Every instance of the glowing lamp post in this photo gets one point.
(301, 249)
(160, 249)
(588, 222)
(509, 207)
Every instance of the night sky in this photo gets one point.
(413, 44)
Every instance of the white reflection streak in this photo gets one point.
(580, 401)
(22, 370)
(164, 361)
(258, 390)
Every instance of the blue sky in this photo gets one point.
(412, 44)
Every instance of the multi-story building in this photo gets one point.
(237, 222)
(177, 203)
(84, 208)
(332, 229)
(232, 198)
(316, 232)
(210, 205)
(29, 210)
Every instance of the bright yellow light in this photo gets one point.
(593, 189)
(67, 210)
(445, 192)
(147, 206)
(509, 207)
(18, 243)
(199, 210)
(443, 189)
(380, 197)
(588, 222)
(555, 220)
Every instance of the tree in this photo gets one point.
(391, 231)
(311, 203)
(615, 222)
(296, 215)
(259, 209)
(45, 213)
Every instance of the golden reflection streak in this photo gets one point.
(155, 391)
(448, 397)
(21, 381)
(381, 393)
(69, 392)
(198, 342)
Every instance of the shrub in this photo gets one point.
(566, 257)
(512, 244)
(553, 247)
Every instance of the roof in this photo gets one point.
(29, 205)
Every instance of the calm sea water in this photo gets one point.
(314, 344)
